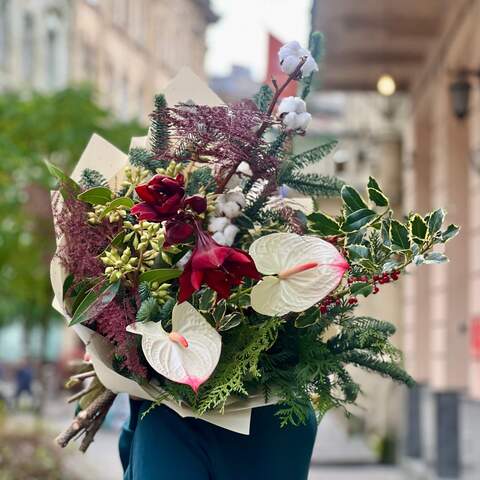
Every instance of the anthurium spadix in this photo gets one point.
(300, 271)
(189, 353)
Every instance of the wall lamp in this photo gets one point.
(460, 91)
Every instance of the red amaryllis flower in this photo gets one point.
(221, 268)
(163, 197)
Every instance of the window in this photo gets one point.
(4, 31)
(28, 47)
(52, 58)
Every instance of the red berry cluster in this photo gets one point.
(328, 303)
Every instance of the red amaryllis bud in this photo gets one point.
(177, 231)
(197, 203)
(220, 267)
(162, 198)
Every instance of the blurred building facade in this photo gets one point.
(429, 48)
(127, 49)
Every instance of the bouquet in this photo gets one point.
(194, 281)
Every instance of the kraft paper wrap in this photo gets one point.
(110, 162)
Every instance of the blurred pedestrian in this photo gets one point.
(23, 382)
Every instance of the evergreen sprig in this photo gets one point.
(159, 126)
(143, 158)
(263, 98)
(313, 184)
(92, 178)
(200, 178)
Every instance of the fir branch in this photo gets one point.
(313, 184)
(92, 178)
(313, 155)
(263, 98)
(200, 178)
(144, 291)
(142, 158)
(385, 368)
(159, 127)
(316, 47)
(275, 148)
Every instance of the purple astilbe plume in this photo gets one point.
(111, 323)
(224, 136)
(82, 242)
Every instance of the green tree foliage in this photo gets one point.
(35, 127)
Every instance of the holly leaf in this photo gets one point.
(435, 221)
(450, 232)
(361, 288)
(359, 219)
(323, 224)
(357, 251)
(435, 258)
(399, 235)
(352, 199)
(418, 228)
(230, 321)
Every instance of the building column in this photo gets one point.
(448, 295)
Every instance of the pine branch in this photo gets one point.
(92, 178)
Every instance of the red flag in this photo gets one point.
(273, 68)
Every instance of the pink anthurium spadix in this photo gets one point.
(189, 353)
(300, 271)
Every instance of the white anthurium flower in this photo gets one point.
(188, 354)
(290, 56)
(300, 271)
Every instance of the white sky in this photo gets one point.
(240, 36)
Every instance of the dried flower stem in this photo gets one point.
(88, 421)
(278, 91)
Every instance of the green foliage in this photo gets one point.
(316, 47)
(240, 359)
(34, 127)
(201, 178)
(92, 178)
(159, 126)
(142, 158)
(313, 184)
(263, 98)
(148, 310)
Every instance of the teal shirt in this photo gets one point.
(164, 446)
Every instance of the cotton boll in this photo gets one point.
(290, 48)
(289, 65)
(217, 224)
(229, 209)
(219, 237)
(237, 197)
(230, 233)
(300, 105)
(244, 169)
(303, 120)
(309, 66)
(287, 105)
(290, 121)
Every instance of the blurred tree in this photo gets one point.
(34, 127)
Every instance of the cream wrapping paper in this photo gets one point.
(110, 162)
